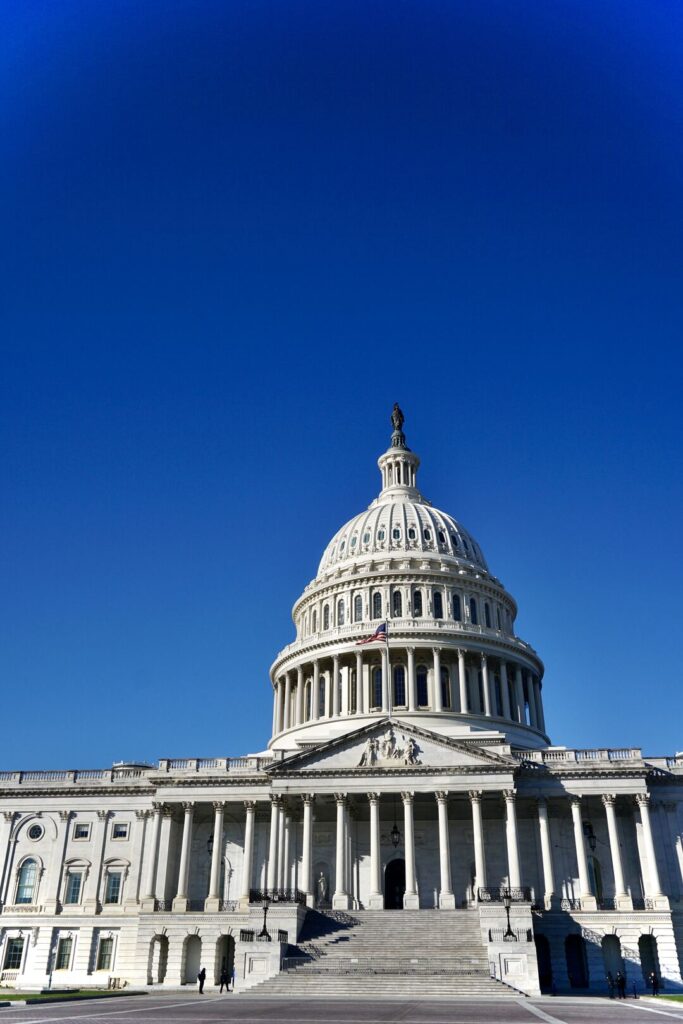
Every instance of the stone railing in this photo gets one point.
(496, 894)
(600, 755)
(135, 775)
(277, 896)
(214, 765)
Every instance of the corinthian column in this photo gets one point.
(248, 856)
(446, 897)
(376, 899)
(212, 901)
(505, 690)
(650, 872)
(410, 898)
(511, 839)
(485, 686)
(437, 703)
(180, 902)
(588, 901)
(271, 875)
(622, 901)
(546, 852)
(340, 899)
(478, 836)
(307, 849)
(412, 697)
(462, 683)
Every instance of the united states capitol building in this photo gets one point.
(410, 815)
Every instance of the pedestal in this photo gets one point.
(446, 901)
(341, 901)
(376, 902)
(212, 904)
(179, 904)
(411, 901)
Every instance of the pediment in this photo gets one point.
(389, 745)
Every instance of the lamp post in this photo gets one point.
(508, 935)
(395, 835)
(264, 933)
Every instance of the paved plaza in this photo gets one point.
(209, 1009)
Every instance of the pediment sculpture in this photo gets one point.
(388, 749)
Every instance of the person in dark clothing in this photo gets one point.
(654, 982)
(225, 980)
(201, 978)
(621, 985)
(610, 984)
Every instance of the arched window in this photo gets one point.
(445, 688)
(399, 686)
(457, 608)
(417, 604)
(26, 885)
(442, 537)
(377, 687)
(314, 622)
(474, 618)
(321, 696)
(411, 533)
(422, 692)
(377, 605)
(498, 616)
(438, 604)
(397, 604)
(326, 616)
(358, 608)
(353, 692)
(427, 534)
(340, 612)
(487, 615)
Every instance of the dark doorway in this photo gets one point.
(577, 964)
(649, 960)
(545, 967)
(394, 884)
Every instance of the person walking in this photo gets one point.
(621, 985)
(610, 984)
(233, 977)
(225, 980)
(201, 978)
(654, 982)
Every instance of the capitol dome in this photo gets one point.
(452, 661)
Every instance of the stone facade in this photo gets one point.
(409, 772)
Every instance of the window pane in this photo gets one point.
(64, 954)
(438, 605)
(377, 687)
(27, 882)
(15, 947)
(399, 686)
(422, 695)
(73, 887)
(113, 890)
(104, 954)
(417, 604)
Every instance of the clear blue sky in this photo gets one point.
(233, 234)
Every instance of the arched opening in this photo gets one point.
(158, 960)
(611, 955)
(438, 605)
(399, 687)
(340, 613)
(192, 959)
(326, 617)
(417, 604)
(397, 604)
(545, 964)
(649, 957)
(225, 957)
(26, 883)
(377, 605)
(474, 618)
(394, 884)
(321, 696)
(577, 964)
(457, 609)
(358, 608)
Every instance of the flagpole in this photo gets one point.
(389, 700)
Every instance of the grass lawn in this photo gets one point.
(676, 999)
(99, 993)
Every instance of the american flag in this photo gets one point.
(379, 634)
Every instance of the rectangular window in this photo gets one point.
(104, 954)
(120, 830)
(74, 882)
(112, 891)
(63, 962)
(81, 830)
(13, 953)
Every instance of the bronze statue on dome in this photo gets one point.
(398, 438)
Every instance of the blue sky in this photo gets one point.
(233, 235)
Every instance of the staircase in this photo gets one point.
(375, 953)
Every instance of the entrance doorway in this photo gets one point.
(545, 965)
(394, 884)
(225, 957)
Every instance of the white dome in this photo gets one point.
(395, 524)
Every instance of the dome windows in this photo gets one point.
(427, 534)
(381, 534)
(397, 604)
(396, 533)
(366, 538)
(326, 617)
(342, 546)
(417, 604)
(438, 604)
(354, 540)
(454, 540)
(474, 616)
(487, 614)
(377, 605)
(314, 621)
(411, 533)
(442, 537)
(376, 689)
(457, 608)
(422, 689)
(358, 608)
(399, 687)
(445, 689)
(340, 612)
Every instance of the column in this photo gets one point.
(299, 695)
(411, 900)
(280, 873)
(280, 704)
(360, 692)
(546, 852)
(180, 901)
(271, 873)
(340, 899)
(150, 882)
(588, 901)
(485, 686)
(307, 849)
(315, 695)
(622, 901)
(328, 695)
(478, 835)
(539, 704)
(462, 683)
(376, 899)
(514, 875)
(505, 690)
(92, 882)
(650, 872)
(412, 694)
(519, 694)
(533, 714)
(386, 682)
(285, 868)
(212, 901)
(288, 701)
(5, 847)
(248, 856)
(336, 710)
(345, 710)
(446, 897)
(437, 703)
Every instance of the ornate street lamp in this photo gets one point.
(508, 935)
(264, 933)
(395, 834)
